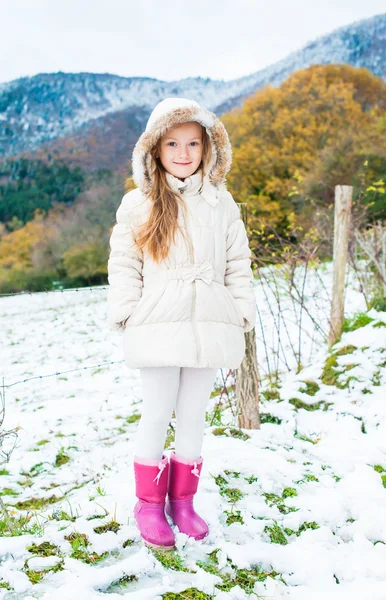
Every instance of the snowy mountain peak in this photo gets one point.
(48, 106)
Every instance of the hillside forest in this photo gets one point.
(325, 125)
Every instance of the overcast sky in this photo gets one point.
(165, 39)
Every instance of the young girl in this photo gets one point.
(181, 291)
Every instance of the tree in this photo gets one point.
(307, 135)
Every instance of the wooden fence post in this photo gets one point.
(247, 377)
(343, 200)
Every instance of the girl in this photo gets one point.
(181, 291)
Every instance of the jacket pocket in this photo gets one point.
(146, 305)
(239, 318)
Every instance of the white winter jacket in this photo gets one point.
(192, 309)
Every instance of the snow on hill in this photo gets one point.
(47, 106)
(294, 509)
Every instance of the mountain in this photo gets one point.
(78, 114)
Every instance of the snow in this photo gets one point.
(327, 456)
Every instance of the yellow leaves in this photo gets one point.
(310, 132)
(294, 192)
(17, 246)
(297, 175)
(86, 260)
(377, 186)
(129, 184)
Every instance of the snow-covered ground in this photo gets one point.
(299, 499)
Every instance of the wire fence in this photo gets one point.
(86, 289)
(57, 373)
(116, 362)
(10, 436)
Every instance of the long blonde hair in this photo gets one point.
(158, 232)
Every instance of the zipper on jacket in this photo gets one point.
(193, 312)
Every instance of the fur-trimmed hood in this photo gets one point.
(167, 114)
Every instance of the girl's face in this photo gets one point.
(180, 149)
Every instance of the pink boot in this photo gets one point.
(151, 478)
(184, 476)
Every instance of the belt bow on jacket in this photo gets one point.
(203, 271)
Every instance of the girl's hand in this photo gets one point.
(122, 324)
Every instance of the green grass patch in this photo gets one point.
(313, 525)
(231, 493)
(233, 517)
(271, 394)
(170, 560)
(231, 576)
(299, 404)
(251, 479)
(35, 470)
(303, 527)
(231, 432)
(61, 515)
(36, 576)
(42, 442)
(276, 534)
(221, 481)
(188, 594)
(120, 584)
(214, 416)
(61, 458)
(4, 472)
(331, 372)
(79, 543)
(4, 585)
(44, 549)
(278, 501)
(170, 436)
(346, 350)
(235, 474)
(267, 418)
(8, 492)
(289, 493)
(376, 379)
(379, 303)
(37, 503)
(379, 469)
(379, 324)
(22, 525)
(311, 387)
(310, 477)
(133, 418)
(359, 320)
(110, 526)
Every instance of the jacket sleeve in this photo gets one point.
(124, 269)
(238, 273)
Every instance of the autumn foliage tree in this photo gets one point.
(314, 131)
(69, 245)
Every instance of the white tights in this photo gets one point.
(185, 390)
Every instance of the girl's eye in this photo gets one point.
(192, 143)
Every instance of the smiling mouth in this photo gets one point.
(183, 164)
